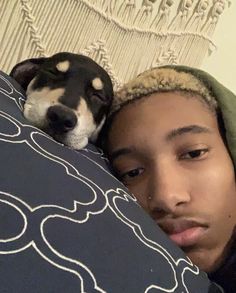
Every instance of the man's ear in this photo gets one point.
(26, 70)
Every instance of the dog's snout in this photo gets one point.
(61, 119)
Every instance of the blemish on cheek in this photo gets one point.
(97, 83)
(63, 66)
(229, 216)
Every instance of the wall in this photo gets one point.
(26, 30)
(222, 63)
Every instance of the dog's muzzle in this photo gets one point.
(61, 119)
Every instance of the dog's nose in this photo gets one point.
(61, 119)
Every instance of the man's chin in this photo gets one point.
(207, 260)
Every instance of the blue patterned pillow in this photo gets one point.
(67, 225)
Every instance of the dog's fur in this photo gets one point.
(67, 95)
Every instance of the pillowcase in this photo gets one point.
(68, 225)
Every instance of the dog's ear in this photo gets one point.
(26, 70)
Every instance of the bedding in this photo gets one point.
(68, 225)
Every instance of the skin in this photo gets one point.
(168, 151)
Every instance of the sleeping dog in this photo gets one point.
(67, 96)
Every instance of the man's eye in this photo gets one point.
(131, 174)
(195, 154)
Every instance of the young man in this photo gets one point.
(167, 143)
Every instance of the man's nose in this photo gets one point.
(168, 190)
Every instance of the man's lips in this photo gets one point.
(183, 232)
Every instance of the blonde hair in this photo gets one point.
(161, 79)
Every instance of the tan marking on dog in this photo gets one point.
(85, 118)
(97, 83)
(51, 95)
(63, 66)
(83, 111)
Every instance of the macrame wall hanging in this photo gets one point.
(124, 36)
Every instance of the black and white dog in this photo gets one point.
(67, 96)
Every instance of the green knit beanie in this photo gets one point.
(183, 78)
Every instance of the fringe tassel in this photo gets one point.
(123, 37)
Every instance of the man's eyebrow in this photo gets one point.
(120, 152)
(187, 129)
(171, 135)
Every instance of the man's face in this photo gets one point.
(168, 151)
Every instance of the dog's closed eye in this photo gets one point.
(51, 72)
(99, 97)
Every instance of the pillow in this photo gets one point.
(67, 225)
